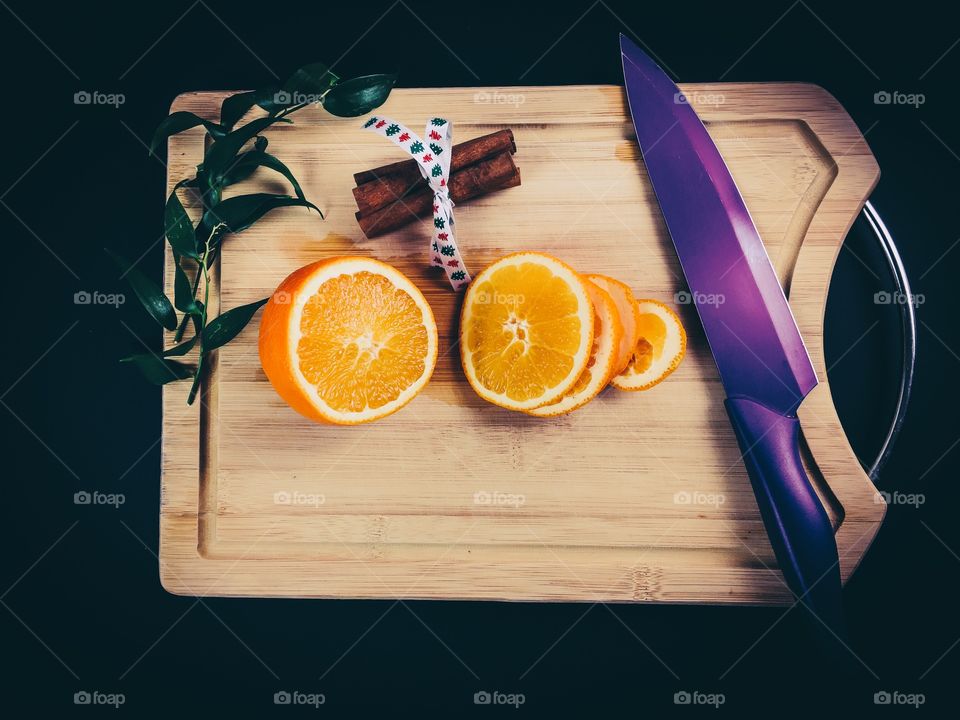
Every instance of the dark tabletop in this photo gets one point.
(82, 607)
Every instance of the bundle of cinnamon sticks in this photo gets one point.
(394, 195)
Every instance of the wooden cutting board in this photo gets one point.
(636, 497)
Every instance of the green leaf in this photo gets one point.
(208, 191)
(250, 161)
(160, 370)
(195, 386)
(240, 171)
(181, 349)
(227, 326)
(149, 293)
(271, 99)
(183, 298)
(306, 85)
(242, 168)
(179, 229)
(309, 82)
(240, 212)
(178, 122)
(236, 106)
(359, 96)
(222, 154)
(198, 317)
(313, 79)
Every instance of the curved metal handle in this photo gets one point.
(908, 325)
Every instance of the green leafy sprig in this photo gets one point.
(233, 155)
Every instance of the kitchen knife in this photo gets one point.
(763, 364)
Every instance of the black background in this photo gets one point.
(82, 605)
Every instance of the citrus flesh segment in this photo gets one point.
(526, 330)
(627, 310)
(348, 340)
(603, 355)
(660, 347)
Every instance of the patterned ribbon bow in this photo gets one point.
(433, 158)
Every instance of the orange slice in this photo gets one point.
(526, 330)
(348, 340)
(607, 332)
(659, 350)
(627, 309)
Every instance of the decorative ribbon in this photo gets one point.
(433, 158)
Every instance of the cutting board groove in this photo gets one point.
(637, 497)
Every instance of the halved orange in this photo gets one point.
(659, 349)
(607, 333)
(627, 309)
(526, 330)
(348, 340)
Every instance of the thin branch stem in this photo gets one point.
(205, 272)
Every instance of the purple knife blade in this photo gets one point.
(745, 315)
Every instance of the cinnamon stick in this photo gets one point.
(382, 186)
(493, 173)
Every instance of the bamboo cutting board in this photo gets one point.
(636, 497)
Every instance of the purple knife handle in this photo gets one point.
(799, 529)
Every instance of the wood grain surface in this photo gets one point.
(636, 497)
